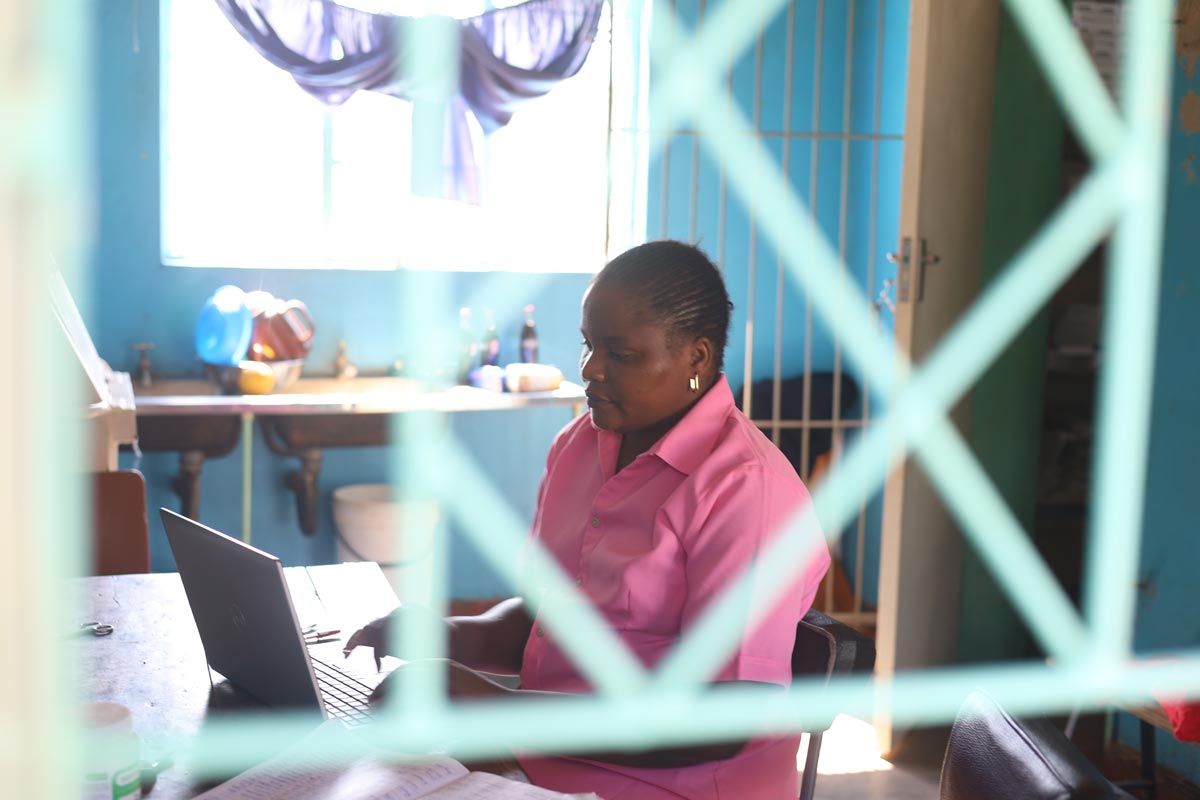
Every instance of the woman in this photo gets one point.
(654, 502)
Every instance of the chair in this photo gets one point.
(826, 647)
(120, 532)
(991, 755)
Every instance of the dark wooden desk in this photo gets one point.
(153, 662)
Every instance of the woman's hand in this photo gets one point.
(461, 681)
(493, 641)
(375, 633)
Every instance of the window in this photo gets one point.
(256, 173)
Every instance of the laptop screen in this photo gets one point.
(244, 613)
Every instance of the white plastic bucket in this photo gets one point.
(375, 524)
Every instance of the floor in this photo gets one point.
(850, 767)
(898, 784)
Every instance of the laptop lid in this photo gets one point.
(244, 613)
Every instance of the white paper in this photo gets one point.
(323, 779)
(363, 779)
(371, 778)
(486, 786)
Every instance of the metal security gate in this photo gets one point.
(823, 88)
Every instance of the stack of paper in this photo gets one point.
(371, 778)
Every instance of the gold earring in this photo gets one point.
(694, 382)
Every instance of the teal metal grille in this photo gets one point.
(1091, 655)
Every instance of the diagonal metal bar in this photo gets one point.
(726, 32)
(1021, 573)
(918, 411)
(1130, 312)
(953, 489)
(1069, 70)
(495, 529)
(1002, 544)
(579, 723)
(960, 359)
(750, 170)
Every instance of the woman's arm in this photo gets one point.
(493, 641)
(466, 683)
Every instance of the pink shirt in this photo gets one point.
(651, 546)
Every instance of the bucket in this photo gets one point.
(374, 522)
(224, 328)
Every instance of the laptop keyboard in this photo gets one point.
(346, 698)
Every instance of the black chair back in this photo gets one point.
(826, 647)
(991, 755)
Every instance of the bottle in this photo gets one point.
(468, 346)
(489, 346)
(529, 342)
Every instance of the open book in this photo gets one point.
(372, 778)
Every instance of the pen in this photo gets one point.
(321, 634)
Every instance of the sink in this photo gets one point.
(361, 385)
(192, 417)
(176, 387)
(196, 433)
(197, 387)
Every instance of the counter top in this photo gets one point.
(354, 396)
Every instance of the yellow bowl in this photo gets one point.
(255, 377)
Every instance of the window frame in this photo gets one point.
(619, 193)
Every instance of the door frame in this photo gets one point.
(951, 72)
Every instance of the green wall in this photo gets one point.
(1024, 186)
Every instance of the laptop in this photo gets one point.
(249, 628)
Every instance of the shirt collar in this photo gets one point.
(691, 440)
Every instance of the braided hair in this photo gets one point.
(678, 287)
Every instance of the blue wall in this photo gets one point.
(1168, 614)
(135, 298)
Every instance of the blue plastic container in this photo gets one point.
(224, 328)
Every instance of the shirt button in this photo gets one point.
(540, 632)
(579, 581)
(595, 522)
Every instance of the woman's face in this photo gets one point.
(635, 380)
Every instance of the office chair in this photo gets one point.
(994, 756)
(826, 647)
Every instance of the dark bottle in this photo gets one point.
(529, 342)
(489, 346)
(468, 345)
